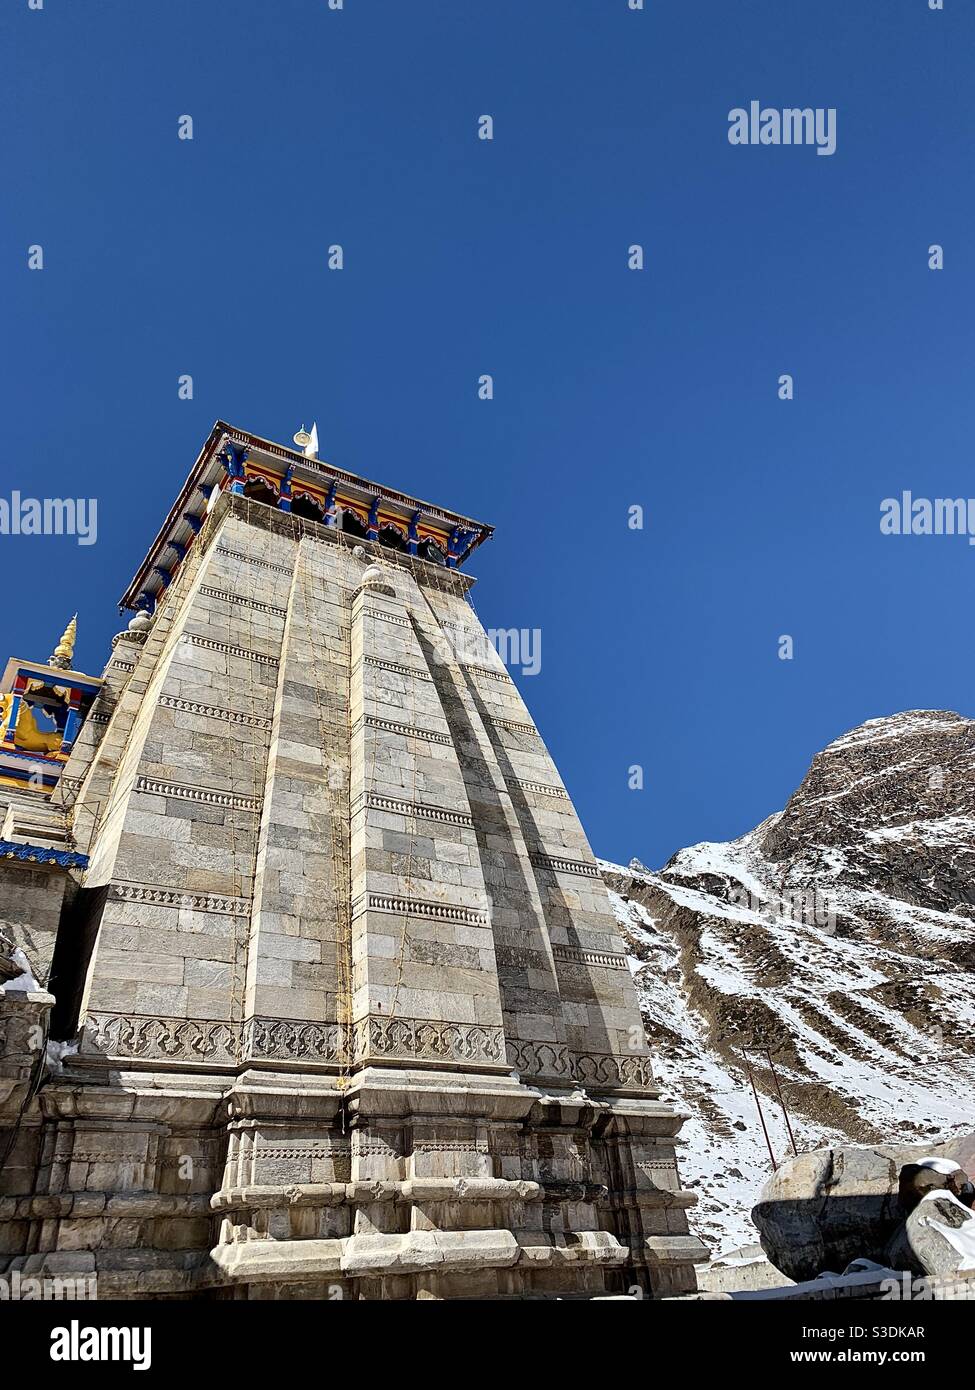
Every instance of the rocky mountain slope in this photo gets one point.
(839, 935)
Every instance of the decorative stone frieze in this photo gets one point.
(375, 802)
(158, 1039)
(415, 907)
(243, 601)
(211, 646)
(392, 726)
(207, 796)
(557, 865)
(540, 788)
(230, 716)
(155, 896)
(428, 1040)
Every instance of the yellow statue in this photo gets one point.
(26, 734)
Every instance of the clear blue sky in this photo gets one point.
(613, 387)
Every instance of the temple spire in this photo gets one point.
(63, 654)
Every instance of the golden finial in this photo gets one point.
(63, 654)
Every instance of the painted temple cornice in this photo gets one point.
(33, 755)
(40, 854)
(233, 460)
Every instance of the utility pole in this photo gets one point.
(758, 1107)
(778, 1092)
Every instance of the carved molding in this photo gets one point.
(244, 652)
(384, 617)
(542, 788)
(596, 1070)
(177, 897)
(632, 1071)
(467, 1146)
(157, 1039)
(373, 801)
(364, 1146)
(207, 796)
(217, 1043)
(415, 907)
(407, 730)
(232, 716)
(454, 629)
(428, 1040)
(242, 601)
(557, 865)
(515, 727)
(293, 1041)
(539, 1058)
(575, 955)
(486, 671)
(398, 667)
(253, 560)
(311, 1151)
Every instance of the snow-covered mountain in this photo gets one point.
(840, 933)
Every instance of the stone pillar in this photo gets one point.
(425, 985)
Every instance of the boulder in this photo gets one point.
(823, 1209)
(938, 1237)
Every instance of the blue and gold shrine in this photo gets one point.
(42, 708)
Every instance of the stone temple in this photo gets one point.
(313, 986)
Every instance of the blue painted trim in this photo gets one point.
(34, 854)
(330, 517)
(46, 758)
(87, 686)
(233, 462)
(284, 492)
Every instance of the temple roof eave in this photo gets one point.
(176, 533)
(69, 679)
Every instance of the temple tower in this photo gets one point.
(353, 1016)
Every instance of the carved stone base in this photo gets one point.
(396, 1184)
